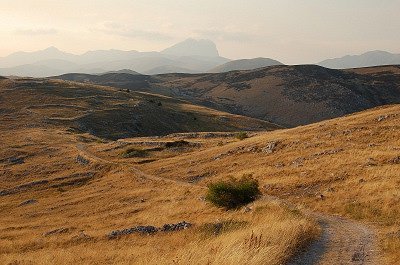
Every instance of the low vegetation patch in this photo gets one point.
(241, 136)
(180, 143)
(134, 152)
(233, 194)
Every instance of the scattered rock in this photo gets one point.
(81, 160)
(137, 229)
(149, 229)
(27, 202)
(176, 227)
(82, 237)
(16, 160)
(382, 118)
(270, 147)
(395, 160)
(246, 209)
(57, 231)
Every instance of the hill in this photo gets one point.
(110, 113)
(285, 95)
(122, 71)
(372, 58)
(108, 201)
(245, 64)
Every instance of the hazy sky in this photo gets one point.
(293, 31)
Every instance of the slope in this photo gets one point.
(347, 166)
(285, 95)
(110, 113)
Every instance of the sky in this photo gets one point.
(292, 31)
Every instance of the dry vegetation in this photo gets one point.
(63, 190)
(348, 166)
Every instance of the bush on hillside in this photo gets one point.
(233, 194)
(134, 152)
(242, 136)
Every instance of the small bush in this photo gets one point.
(180, 143)
(134, 152)
(233, 193)
(242, 136)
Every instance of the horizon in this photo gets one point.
(144, 51)
(287, 31)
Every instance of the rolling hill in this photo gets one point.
(285, 95)
(65, 192)
(110, 113)
(372, 58)
(244, 64)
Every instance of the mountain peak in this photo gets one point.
(193, 47)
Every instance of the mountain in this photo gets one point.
(372, 58)
(286, 95)
(192, 47)
(245, 64)
(166, 69)
(122, 71)
(191, 56)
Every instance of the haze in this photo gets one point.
(291, 31)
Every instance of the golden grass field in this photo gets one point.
(82, 187)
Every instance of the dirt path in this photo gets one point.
(342, 241)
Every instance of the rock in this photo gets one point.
(382, 117)
(149, 229)
(57, 231)
(395, 160)
(270, 147)
(137, 229)
(246, 209)
(176, 227)
(27, 202)
(81, 160)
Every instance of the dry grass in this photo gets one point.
(351, 161)
(90, 197)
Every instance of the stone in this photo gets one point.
(176, 227)
(27, 202)
(270, 147)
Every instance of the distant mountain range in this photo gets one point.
(372, 58)
(191, 56)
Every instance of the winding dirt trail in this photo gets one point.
(342, 242)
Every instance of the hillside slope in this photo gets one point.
(347, 166)
(285, 95)
(108, 112)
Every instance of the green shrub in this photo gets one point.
(134, 152)
(242, 135)
(233, 193)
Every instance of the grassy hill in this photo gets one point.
(110, 113)
(64, 191)
(285, 95)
